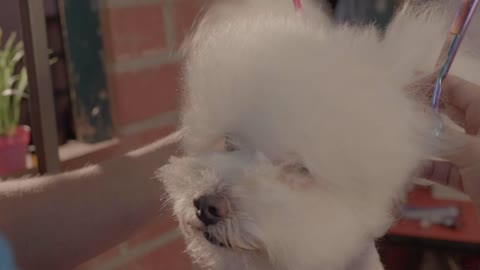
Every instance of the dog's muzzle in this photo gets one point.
(211, 209)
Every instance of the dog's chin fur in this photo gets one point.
(293, 90)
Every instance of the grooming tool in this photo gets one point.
(297, 4)
(443, 216)
(450, 48)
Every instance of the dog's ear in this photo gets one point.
(296, 176)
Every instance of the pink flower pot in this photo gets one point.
(13, 150)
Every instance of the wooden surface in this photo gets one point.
(84, 48)
(40, 90)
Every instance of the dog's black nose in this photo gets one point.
(211, 209)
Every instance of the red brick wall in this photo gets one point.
(158, 246)
(141, 39)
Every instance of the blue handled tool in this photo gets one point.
(452, 44)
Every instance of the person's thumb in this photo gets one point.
(442, 172)
(460, 149)
(461, 170)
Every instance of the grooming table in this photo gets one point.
(464, 238)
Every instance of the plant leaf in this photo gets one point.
(52, 61)
(19, 94)
(7, 92)
(19, 46)
(9, 52)
(17, 57)
(10, 40)
(12, 85)
(22, 82)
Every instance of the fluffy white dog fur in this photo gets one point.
(321, 138)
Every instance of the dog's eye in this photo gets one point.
(303, 170)
(225, 145)
(296, 176)
(297, 168)
(229, 146)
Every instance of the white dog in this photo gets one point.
(299, 137)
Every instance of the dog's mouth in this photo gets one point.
(217, 237)
(214, 241)
(210, 237)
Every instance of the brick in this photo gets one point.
(153, 230)
(95, 262)
(147, 136)
(125, 145)
(130, 32)
(172, 257)
(184, 14)
(139, 95)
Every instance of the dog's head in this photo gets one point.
(239, 209)
(298, 139)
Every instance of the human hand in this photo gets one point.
(461, 169)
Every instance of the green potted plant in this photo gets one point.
(14, 139)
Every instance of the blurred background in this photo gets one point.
(104, 80)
